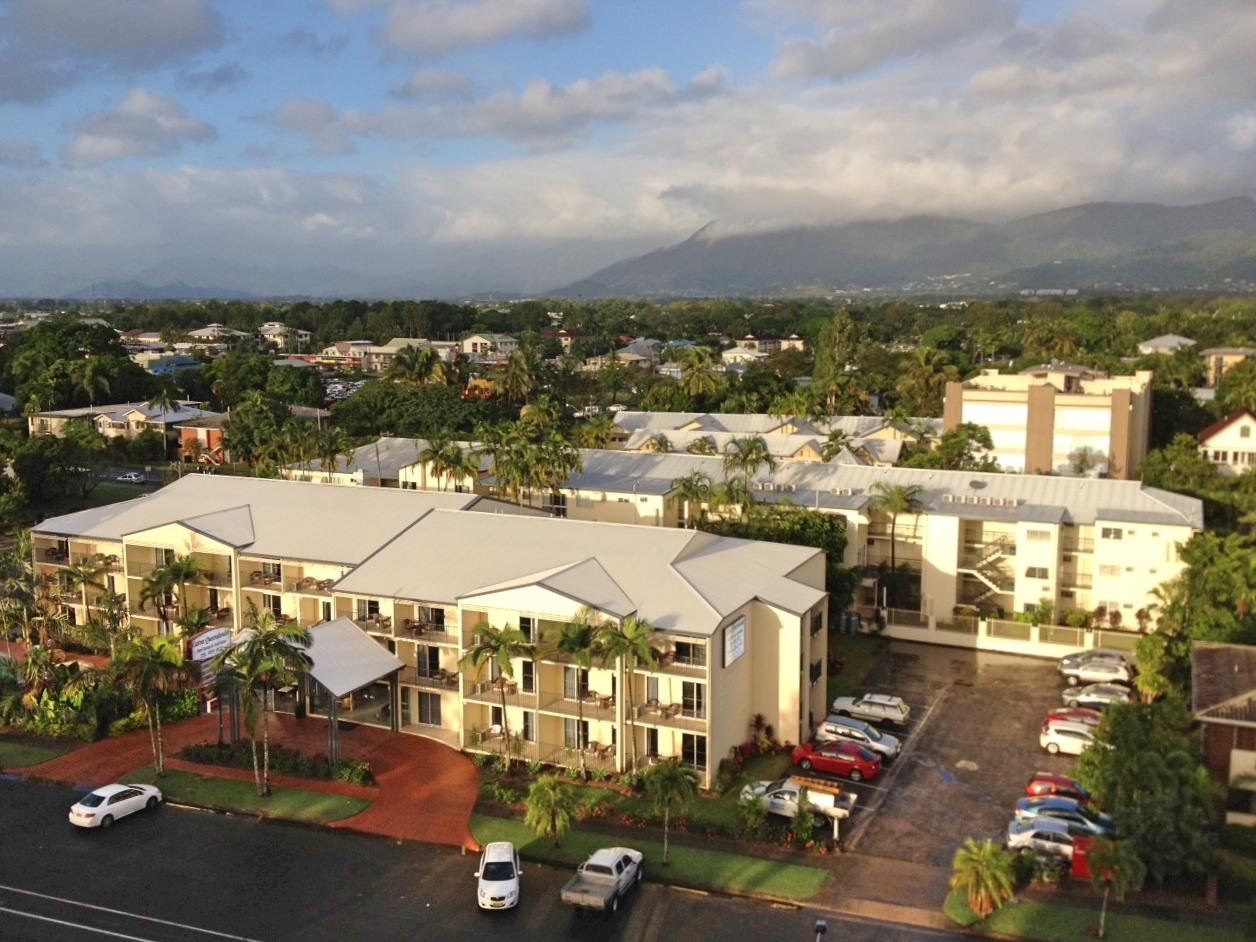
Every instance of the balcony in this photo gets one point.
(669, 663)
(671, 716)
(441, 679)
(1077, 546)
(429, 632)
(490, 692)
(1076, 580)
(308, 585)
(594, 706)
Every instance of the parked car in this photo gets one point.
(603, 879)
(1097, 671)
(852, 730)
(1096, 696)
(785, 796)
(1074, 715)
(1044, 835)
(1072, 739)
(99, 809)
(1077, 658)
(848, 759)
(132, 477)
(1048, 783)
(498, 876)
(1081, 819)
(874, 707)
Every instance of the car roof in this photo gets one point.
(883, 698)
(848, 721)
(498, 851)
(609, 855)
(1054, 777)
(1054, 825)
(111, 789)
(1058, 802)
(1071, 726)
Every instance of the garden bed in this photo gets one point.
(225, 794)
(282, 759)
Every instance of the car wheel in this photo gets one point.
(805, 765)
(855, 776)
(1053, 748)
(151, 803)
(106, 821)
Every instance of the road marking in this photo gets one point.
(75, 925)
(123, 912)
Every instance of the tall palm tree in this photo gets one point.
(670, 785)
(693, 489)
(1117, 869)
(520, 377)
(703, 445)
(895, 500)
(270, 655)
(924, 383)
(153, 668)
(164, 398)
(332, 444)
(431, 455)
(111, 625)
(418, 366)
(556, 461)
(597, 432)
(834, 443)
(499, 646)
(493, 438)
(579, 641)
(83, 575)
(552, 807)
(156, 588)
(627, 644)
(745, 456)
(697, 378)
(983, 872)
(92, 379)
(183, 570)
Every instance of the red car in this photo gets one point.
(1075, 715)
(848, 759)
(1048, 783)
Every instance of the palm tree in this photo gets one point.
(156, 588)
(703, 445)
(924, 384)
(153, 668)
(893, 500)
(628, 644)
(595, 433)
(82, 575)
(579, 641)
(163, 399)
(418, 366)
(332, 443)
(269, 655)
(182, 570)
(521, 375)
(693, 489)
(499, 646)
(111, 624)
(983, 872)
(552, 806)
(659, 443)
(746, 455)
(92, 379)
(1116, 868)
(697, 380)
(670, 785)
(833, 445)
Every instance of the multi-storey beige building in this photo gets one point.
(1217, 360)
(1058, 418)
(739, 626)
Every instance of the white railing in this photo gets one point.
(1010, 637)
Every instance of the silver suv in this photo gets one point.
(835, 728)
(874, 707)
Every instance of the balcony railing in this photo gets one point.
(430, 680)
(673, 715)
(490, 691)
(308, 585)
(593, 706)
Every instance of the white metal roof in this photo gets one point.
(679, 580)
(346, 658)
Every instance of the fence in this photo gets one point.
(1009, 637)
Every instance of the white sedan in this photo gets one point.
(498, 876)
(110, 802)
(131, 477)
(1098, 670)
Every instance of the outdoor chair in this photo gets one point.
(673, 710)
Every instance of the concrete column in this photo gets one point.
(1040, 429)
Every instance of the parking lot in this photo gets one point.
(971, 745)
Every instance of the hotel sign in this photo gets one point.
(734, 641)
(210, 643)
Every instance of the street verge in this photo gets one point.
(240, 797)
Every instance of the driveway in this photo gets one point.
(972, 744)
(425, 793)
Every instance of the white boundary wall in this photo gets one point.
(1008, 637)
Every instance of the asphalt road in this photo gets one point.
(175, 875)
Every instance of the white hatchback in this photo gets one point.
(107, 804)
(498, 876)
(1072, 739)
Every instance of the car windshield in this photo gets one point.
(866, 755)
(1087, 814)
(92, 801)
(498, 870)
(874, 734)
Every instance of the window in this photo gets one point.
(274, 603)
(528, 678)
(327, 611)
(525, 625)
(164, 557)
(555, 504)
(817, 622)
(1035, 572)
(270, 569)
(690, 654)
(367, 609)
(435, 617)
(1245, 431)
(693, 750)
(652, 688)
(429, 708)
(575, 683)
(1111, 533)
(429, 660)
(1109, 570)
(575, 734)
(693, 700)
(213, 596)
(529, 726)
(1038, 536)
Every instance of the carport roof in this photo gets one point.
(1223, 683)
(346, 658)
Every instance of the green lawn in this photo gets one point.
(20, 755)
(106, 492)
(708, 869)
(1054, 922)
(860, 652)
(224, 794)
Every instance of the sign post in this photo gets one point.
(204, 647)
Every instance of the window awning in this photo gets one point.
(346, 658)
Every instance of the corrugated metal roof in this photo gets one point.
(679, 580)
(345, 658)
(1223, 682)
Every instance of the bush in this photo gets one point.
(754, 816)
(957, 909)
(355, 772)
(534, 767)
(282, 759)
(176, 706)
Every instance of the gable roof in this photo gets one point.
(1224, 423)
(678, 580)
(345, 658)
(1223, 683)
(1168, 342)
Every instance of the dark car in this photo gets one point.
(1081, 819)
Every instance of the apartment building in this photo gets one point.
(284, 337)
(489, 346)
(121, 420)
(996, 543)
(377, 358)
(1230, 443)
(1058, 418)
(389, 462)
(800, 446)
(1217, 360)
(756, 423)
(739, 626)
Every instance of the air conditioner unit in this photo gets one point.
(948, 498)
(787, 488)
(767, 486)
(985, 501)
(756, 485)
(845, 492)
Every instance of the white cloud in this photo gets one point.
(434, 84)
(438, 27)
(1241, 131)
(143, 125)
(17, 152)
(227, 75)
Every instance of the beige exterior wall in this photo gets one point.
(939, 582)
(653, 510)
(1233, 449)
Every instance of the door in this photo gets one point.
(651, 742)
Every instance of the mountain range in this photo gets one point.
(1096, 246)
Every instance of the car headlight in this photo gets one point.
(512, 894)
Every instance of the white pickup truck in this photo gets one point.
(785, 796)
(604, 878)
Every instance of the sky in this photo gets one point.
(453, 146)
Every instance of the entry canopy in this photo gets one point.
(346, 658)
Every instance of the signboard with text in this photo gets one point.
(734, 640)
(209, 643)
